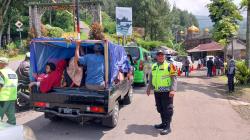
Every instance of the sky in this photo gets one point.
(197, 7)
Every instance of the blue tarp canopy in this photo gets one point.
(43, 50)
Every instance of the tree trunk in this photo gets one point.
(248, 36)
(1, 34)
(3, 11)
(8, 33)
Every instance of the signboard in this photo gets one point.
(123, 21)
(19, 24)
(19, 29)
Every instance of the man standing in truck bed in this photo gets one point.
(95, 67)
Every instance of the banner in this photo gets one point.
(123, 21)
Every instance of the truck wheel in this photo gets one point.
(52, 117)
(112, 120)
(128, 97)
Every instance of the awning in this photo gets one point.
(209, 47)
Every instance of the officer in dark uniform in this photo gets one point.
(163, 81)
(230, 73)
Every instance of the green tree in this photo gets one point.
(61, 19)
(225, 15)
(246, 4)
(5, 4)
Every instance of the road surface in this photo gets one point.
(200, 114)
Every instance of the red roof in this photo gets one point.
(209, 47)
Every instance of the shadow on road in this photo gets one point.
(139, 90)
(142, 129)
(211, 89)
(66, 129)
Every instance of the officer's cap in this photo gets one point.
(160, 52)
(4, 60)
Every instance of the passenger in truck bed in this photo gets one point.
(49, 68)
(52, 80)
(72, 76)
(95, 67)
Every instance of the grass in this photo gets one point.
(84, 36)
(242, 92)
(18, 57)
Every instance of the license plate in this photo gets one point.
(67, 111)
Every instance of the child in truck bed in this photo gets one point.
(52, 80)
(49, 68)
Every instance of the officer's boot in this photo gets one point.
(160, 126)
(166, 130)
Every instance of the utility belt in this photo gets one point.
(162, 90)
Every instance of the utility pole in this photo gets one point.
(78, 20)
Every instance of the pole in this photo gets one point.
(20, 35)
(74, 15)
(233, 48)
(78, 20)
(123, 40)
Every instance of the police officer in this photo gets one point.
(8, 91)
(163, 81)
(230, 73)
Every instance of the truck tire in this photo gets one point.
(52, 117)
(112, 120)
(128, 97)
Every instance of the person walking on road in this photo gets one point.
(218, 66)
(163, 81)
(186, 66)
(210, 65)
(230, 73)
(8, 91)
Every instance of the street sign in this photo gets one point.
(19, 24)
(19, 29)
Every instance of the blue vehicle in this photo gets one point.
(81, 102)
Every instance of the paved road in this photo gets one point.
(14, 64)
(200, 113)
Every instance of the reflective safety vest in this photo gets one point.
(161, 79)
(9, 89)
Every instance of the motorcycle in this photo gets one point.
(23, 95)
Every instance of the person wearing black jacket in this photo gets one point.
(210, 65)
(23, 70)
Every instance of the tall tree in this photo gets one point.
(225, 15)
(3, 13)
(246, 4)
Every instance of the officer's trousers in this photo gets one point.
(164, 105)
(230, 82)
(8, 108)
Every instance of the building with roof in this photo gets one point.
(238, 50)
(203, 50)
(195, 37)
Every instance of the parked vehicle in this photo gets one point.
(177, 63)
(142, 63)
(79, 102)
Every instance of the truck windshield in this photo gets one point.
(134, 52)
